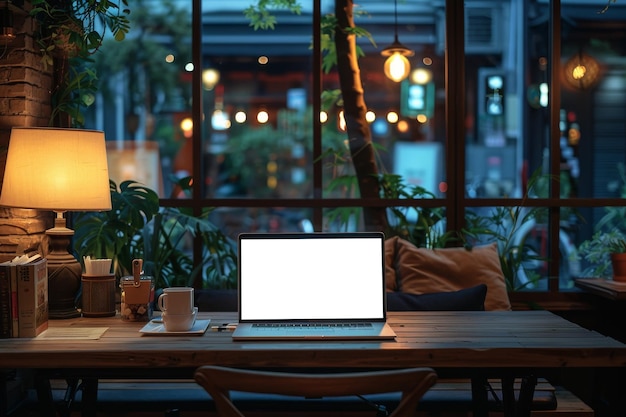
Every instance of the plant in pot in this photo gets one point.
(605, 254)
(617, 249)
(608, 243)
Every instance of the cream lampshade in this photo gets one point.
(59, 170)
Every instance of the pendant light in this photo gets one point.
(397, 66)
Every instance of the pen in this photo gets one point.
(224, 327)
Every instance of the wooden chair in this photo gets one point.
(220, 381)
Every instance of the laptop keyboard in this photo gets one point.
(322, 325)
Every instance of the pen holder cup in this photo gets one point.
(136, 298)
(98, 295)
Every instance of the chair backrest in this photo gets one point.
(220, 381)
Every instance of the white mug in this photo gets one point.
(179, 322)
(176, 300)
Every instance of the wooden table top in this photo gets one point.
(512, 339)
(606, 288)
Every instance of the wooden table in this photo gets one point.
(456, 343)
(606, 288)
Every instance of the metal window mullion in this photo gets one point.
(318, 214)
(555, 136)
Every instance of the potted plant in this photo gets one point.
(617, 249)
(605, 253)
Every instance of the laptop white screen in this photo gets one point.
(311, 278)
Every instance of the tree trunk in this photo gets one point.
(357, 128)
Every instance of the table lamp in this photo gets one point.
(59, 170)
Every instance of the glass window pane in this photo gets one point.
(144, 93)
(404, 119)
(256, 103)
(601, 228)
(593, 99)
(235, 220)
(496, 139)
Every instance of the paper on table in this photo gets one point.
(73, 333)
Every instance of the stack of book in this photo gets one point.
(23, 296)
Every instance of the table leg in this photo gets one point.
(480, 407)
(4, 401)
(90, 397)
(44, 396)
(511, 406)
(508, 396)
(526, 393)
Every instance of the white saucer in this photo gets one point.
(156, 328)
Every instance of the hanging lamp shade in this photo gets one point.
(581, 71)
(397, 66)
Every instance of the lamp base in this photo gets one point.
(64, 277)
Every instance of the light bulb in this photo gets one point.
(579, 72)
(421, 76)
(397, 67)
(210, 78)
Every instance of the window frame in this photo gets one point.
(455, 202)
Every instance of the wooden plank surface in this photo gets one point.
(603, 287)
(514, 339)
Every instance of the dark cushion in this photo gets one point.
(467, 299)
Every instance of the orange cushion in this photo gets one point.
(420, 271)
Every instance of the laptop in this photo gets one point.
(316, 286)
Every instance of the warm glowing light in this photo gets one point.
(427, 61)
(397, 67)
(370, 116)
(169, 58)
(210, 78)
(403, 126)
(186, 124)
(579, 72)
(421, 76)
(422, 118)
(392, 117)
(272, 167)
(240, 117)
(342, 121)
(262, 117)
(323, 117)
(263, 60)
